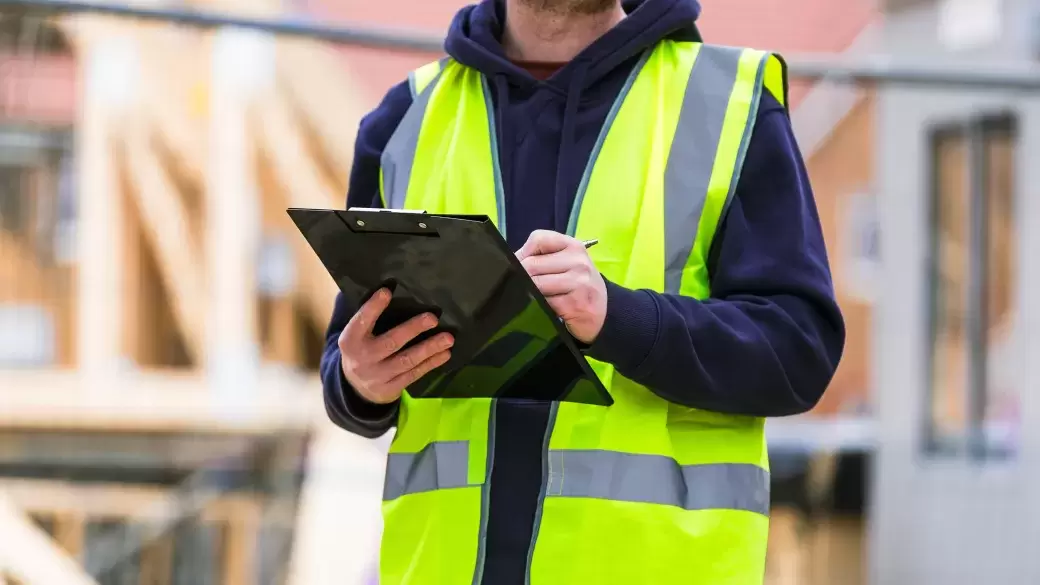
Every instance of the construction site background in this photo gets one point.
(161, 320)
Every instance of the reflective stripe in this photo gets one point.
(692, 157)
(755, 95)
(441, 465)
(395, 164)
(737, 127)
(656, 479)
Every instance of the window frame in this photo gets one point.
(973, 443)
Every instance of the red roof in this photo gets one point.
(787, 26)
(38, 88)
(793, 26)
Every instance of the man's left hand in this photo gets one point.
(562, 270)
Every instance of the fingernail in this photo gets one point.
(430, 320)
(447, 341)
(384, 294)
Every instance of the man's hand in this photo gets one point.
(561, 268)
(374, 366)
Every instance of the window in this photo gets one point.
(973, 398)
(861, 243)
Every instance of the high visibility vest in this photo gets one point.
(643, 491)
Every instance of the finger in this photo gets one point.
(544, 242)
(555, 284)
(550, 263)
(364, 320)
(420, 370)
(413, 356)
(388, 343)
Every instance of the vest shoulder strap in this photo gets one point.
(421, 78)
(774, 78)
(769, 68)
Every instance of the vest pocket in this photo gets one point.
(440, 444)
(432, 537)
(435, 492)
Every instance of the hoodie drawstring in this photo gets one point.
(500, 85)
(505, 141)
(501, 97)
(570, 113)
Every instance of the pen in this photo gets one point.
(590, 243)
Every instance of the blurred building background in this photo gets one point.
(161, 320)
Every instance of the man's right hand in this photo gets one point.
(374, 365)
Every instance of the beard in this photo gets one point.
(570, 6)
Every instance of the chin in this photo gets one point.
(571, 6)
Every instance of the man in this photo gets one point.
(706, 306)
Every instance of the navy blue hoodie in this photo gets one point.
(766, 343)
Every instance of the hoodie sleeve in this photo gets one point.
(344, 406)
(769, 339)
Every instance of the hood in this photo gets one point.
(473, 40)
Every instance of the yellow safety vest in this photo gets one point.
(641, 492)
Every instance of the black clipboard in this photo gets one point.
(508, 341)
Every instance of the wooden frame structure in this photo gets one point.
(184, 167)
(68, 509)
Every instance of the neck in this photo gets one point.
(534, 33)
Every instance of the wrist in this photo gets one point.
(375, 400)
(364, 397)
(629, 328)
(362, 408)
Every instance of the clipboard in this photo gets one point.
(508, 342)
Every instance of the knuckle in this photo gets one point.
(368, 357)
(358, 320)
(360, 373)
(348, 354)
(423, 352)
(405, 361)
(422, 324)
(589, 297)
(350, 369)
